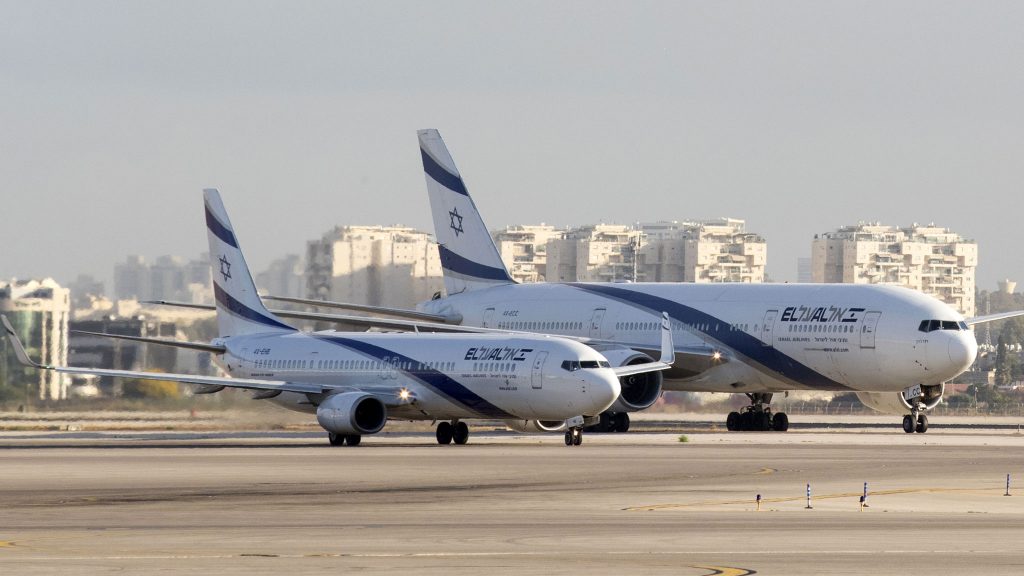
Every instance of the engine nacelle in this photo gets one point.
(536, 425)
(639, 391)
(352, 413)
(895, 403)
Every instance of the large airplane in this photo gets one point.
(894, 347)
(355, 382)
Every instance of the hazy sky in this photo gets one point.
(797, 116)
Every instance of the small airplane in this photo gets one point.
(355, 382)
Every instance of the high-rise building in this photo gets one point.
(524, 250)
(930, 259)
(595, 253)
(38, 311)
(706, 251)
(169, 278)
(284, 277)
(378, 265)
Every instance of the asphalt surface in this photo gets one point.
(284, 502)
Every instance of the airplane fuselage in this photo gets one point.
(745, 337)
(447, 376)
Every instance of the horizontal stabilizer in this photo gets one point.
(398, 312)
(162, 341)
(993, 317)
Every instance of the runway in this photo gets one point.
(276, 502)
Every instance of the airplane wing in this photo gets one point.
(391, 396)
(668, 353)
(993, 317)
(398, 312)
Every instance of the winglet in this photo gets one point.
(19, 349)
(668, 347)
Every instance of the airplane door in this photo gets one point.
(595, 322)
(537, 378)
(867, 329)
(489, 318)
(767, 330)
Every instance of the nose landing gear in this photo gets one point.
(574, 436)
(915, 421)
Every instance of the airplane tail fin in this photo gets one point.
(239, 308)
(469, 258)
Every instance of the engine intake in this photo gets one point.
(639, 391)
(895, 403)
(352, 413)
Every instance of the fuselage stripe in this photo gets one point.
(750, 346)
(439, 382)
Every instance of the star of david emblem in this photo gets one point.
(225, 268)
(456, 222)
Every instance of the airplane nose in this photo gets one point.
(962, 351)
(604, 391)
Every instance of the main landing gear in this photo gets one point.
(611, 422)
(454, 431)
(342, 439)
(574, 436)
(758, 416)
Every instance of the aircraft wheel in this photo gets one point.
(780, 422)
(922, 424)
(762, 422)
(732, 421)
(908, 424)
(335, 439)
(622, 422)
(460, 433)
(577, 438)
(353, 439)
(444, 433)
(568, 437)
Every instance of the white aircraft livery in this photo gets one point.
(893, 346)
(354, 382)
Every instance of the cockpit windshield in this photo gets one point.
(933, 325)
(574, 365)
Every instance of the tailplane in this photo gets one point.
(239, 308)
(469, 259)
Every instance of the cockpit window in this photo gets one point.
(573, 365)
(933, 325)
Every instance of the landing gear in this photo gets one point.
(448, 432)
(444, 433)
(758, 416)
(611, 422)
(341, 439)
(574, 436)
(460, 433)
(915, 422)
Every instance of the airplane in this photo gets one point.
(355, 382)
(892, 346)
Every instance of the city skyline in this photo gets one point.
(797, 117)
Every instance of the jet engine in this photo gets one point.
(352, 413)
(895, 403)
(639, 391)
